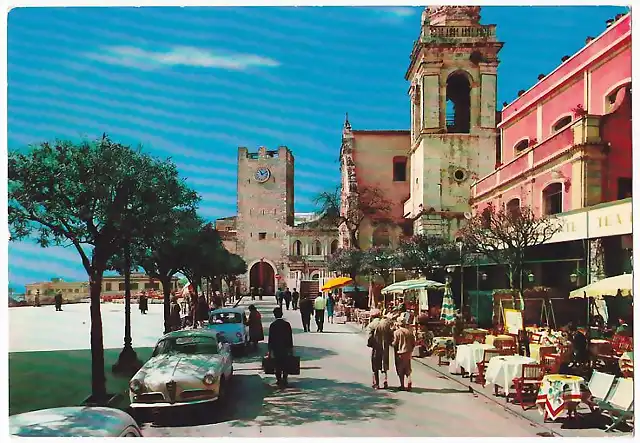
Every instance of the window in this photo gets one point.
(458, 108)
(624, 187)
(133, 285)
(297, 247)
(562, 123)
(107, 287)
(399, 169)
(381, 236)
(120, 286)
(521, 146)
(616, 97)
(262, 236)
(317, 248)
(334, 246)
(76, 291)
(149, 286)
(552, 199)
(513, 206)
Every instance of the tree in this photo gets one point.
(364, 203)
(89, 194)
(425, 253)
(380, 261)
(205, 247)
(347, 262)
(232, 266)
(504, 235)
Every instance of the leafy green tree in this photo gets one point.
(425, 253)
(92, 193)
(380, 261)
(231, 267)
(349, 262)
(204, 249)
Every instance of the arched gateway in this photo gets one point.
(262, 275)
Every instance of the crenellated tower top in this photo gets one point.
(451, 15)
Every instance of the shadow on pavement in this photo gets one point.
(592, 420)
(418, 390)
(244, 402)
(315, 400)
(306, 353)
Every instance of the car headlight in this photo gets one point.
(209, 379)
(239, 334)
(136, 386)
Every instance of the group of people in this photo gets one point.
(288, 298)
(384, 332)
(57, 300)
(317, 305)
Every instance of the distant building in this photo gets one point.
(75, 291)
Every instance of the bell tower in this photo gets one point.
(453, 81)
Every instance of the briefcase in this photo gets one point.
(268, 365)
(292, 365)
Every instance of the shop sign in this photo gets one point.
(611, 220)
(574, 227)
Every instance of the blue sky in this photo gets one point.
(196, 83)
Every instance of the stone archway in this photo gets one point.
(262, 275)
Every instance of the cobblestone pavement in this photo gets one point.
(331, 398)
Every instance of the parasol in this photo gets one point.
(448, 313)
(607, 286)
(408, 285)
(335, 283)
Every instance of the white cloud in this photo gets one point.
(134, 57)
(400, 11)
(51, 268)
(395, 14)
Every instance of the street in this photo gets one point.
(333, 398)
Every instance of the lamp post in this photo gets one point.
(460, 244)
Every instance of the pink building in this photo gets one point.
(566, 149)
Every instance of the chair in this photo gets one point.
(551, 364)
(599, 386)
(507, 346)
(619, 403)
(529, 382)
(482, 366)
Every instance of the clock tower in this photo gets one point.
(265, 212)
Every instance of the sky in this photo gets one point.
(193, 84)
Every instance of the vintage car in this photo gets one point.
(230, 327)
(74, 421)
(186, 367)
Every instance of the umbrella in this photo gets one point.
(336, 283)
(407, 285)
(607, 286)
(448, 313)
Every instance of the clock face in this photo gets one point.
(262, 175)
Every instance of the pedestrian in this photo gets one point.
(403, 344)
(379, 340)
(254, 322)
(260, 292)
(175, 320)
(253, 292)
(319, 304)
(202, 311)
(331, 301)
(295, 296)
(217, 300)
(306, 309)
(143, 303)
(58, 300)
(280, 346)
(36, 299)
(279, 297)
(287, 297)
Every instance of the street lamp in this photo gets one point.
(531, 277)
(460, 245)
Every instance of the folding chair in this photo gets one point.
(619, 403)
(529, 382)
(599, 387)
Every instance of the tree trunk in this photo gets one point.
(353, 238)
(98, 379)
(166, 290)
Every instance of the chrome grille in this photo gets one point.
(197, 394)
(154, 397)
(171, 390)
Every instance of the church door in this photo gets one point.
(262, 275)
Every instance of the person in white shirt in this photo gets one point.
(319, 304)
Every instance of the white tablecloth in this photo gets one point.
(468, 357)
(502, 370)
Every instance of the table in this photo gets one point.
(502, 370)
(476, 333)
(536, 348)
(439, 343)
(490, 339)
(626, 364)
(557, 393)
(468, 357)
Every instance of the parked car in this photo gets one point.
(231, 327)
(74, 421)
(186, 367)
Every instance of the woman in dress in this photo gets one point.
(256, 333)
(331, 302)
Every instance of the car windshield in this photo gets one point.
(225, 317)
(187, 345)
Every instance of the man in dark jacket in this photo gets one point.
(287, 297)
(280, 345)
(295, 296)
(306, 309)
(58, 301)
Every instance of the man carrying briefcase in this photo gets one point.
(281, 347)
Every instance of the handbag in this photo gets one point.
(268, 365)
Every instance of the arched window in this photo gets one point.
(334, 246)
(317, 248)
(458, 110)
(513, 206)
(381, 236)
(521, 146)
(562, 123)
(616, 97)
(297, 247)
(552, 199)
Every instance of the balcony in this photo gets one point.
(308, 258)
(585, 130)
(459, 33)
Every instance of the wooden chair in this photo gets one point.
(599, 387)
(528, 383)
(619, 403)
(482, 366)
(551, 364)
(507, 346)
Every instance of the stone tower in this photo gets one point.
(265, 211)
(453, 115)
